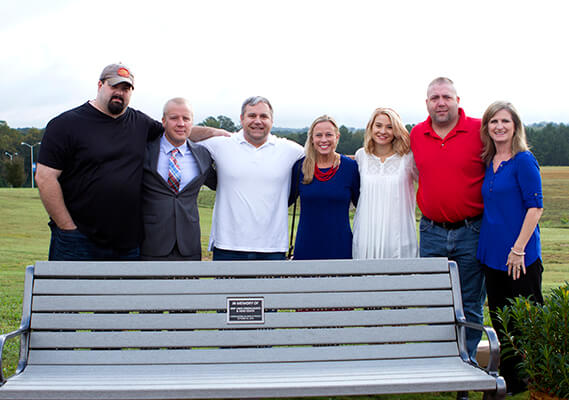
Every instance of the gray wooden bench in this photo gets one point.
(181, 330)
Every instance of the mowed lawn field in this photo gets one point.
(24, 239)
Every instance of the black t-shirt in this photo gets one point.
(101, 162)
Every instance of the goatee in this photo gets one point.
(116, 107)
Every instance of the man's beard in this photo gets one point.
(116, 107)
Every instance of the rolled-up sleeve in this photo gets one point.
(529, 179)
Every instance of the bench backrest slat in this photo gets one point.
(204, 285)
(242, 338)
(248, 355)
(230, 268)
(218, 302)
(180, 321)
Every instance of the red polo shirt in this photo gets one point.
(450, 170)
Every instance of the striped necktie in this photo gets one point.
(174, 173)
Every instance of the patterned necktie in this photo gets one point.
(174, 173)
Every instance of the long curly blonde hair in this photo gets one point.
(310, 152)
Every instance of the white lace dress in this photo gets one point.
(384, 224)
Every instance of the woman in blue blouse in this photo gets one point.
(326, 183)
(509, 247)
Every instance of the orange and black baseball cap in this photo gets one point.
(117, 73)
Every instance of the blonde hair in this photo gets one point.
(179, 101)
(519, 141)
(401, 139)
(310, 152)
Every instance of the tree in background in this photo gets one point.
(350, 140)
(11, 142)
(549, 143)
(298, 137)
(221, 122)
(14, 173)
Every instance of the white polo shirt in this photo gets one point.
(253, 183)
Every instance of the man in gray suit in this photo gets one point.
(174, 171)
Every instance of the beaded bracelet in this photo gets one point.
(523, 253)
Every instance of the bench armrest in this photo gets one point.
(494, 359)
(24, 328)
(3, 339)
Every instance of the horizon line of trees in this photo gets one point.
(549, 143)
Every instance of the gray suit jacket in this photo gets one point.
(171, 218)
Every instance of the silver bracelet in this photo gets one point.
(523, 253)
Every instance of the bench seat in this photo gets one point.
(332, 378)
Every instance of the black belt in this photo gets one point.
(455, 225)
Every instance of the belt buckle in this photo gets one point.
(448, 225)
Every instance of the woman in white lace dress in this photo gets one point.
(384, 224)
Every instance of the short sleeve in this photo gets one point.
(360, 153)
(213, 145)
(529, 180)
(412, 167)
(155, 129)
(355, 184)
(294, 181)
(55, 144)
(296, 149)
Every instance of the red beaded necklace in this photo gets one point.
(324, 176)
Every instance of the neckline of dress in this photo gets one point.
(386, 159)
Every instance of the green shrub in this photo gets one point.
(540, 335)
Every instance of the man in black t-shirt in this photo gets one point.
(89, 173)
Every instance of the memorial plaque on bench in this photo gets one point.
(245, 310)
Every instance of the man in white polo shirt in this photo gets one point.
(250, 215)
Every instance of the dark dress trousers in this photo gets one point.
(171, 221)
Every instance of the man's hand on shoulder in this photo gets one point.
(200, 133)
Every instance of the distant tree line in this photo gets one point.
(549, 143)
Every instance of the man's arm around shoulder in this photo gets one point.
(200, 133)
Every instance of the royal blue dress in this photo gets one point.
(324, 230)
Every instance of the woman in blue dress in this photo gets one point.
(327, 183)
(509, 247)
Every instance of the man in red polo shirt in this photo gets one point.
(447, 149)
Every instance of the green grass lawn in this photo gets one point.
(24, 239)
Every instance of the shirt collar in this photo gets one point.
(166, 146)
(240, 137)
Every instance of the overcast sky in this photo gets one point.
(309, 57)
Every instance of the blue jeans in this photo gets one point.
(75, 246)
(231, 255)
(460, 245)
